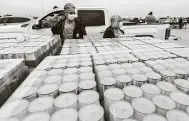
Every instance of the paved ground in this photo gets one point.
(183, 34)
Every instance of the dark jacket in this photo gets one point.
(79, 29)
(109, 33)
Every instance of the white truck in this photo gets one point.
(96, 21)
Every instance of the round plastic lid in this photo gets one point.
(180, 98)
(36, 81)
(123, 78)
(105, 74)
(121, 109)
(70, 71)
(52, 79)
(133, 91)
(180, 71)
(166, 86)
(153, 75)
(39, 116)
(9, 119)
(182, 60)
(73, 64)
(127, 65)
(99, 62)
(139, 77)
(13, 108)
(60, 65)
(108, 81)
(86, 63)
(145, 69)
(47, 89)
(40, 73)
(67, 114)
(177, 115)
(150, 62)
(86, 76)
(133, 71)
(143, 105)
(114, 94)
(85, 69)
(70, 78)
(151, 89)
(91, 113)
(119, 71)
(65, 100)
(159, 67)
(88, 97)
(182, 83)
(101, 67)
(168, 73)
(114, 66)
(138, 64)
(154, 117)
(68, 87)
(25, 92)
(164, 102)
(40, 104)
(55, 72)
(130, 120)
(160, 61)
(87, 84)
(170, 60)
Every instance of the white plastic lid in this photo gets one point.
(91, 113)
(143, 105)
(68, 87)
(154, 117)
(40, 104)
(139, 77)
(182, 60)
(166, 86)
(25, 92)
(123, 78)
(65, 100)
(151, 89)
(101, 67)
(39, 116)
(105, 74)
(86, 76)
(73, 64)
(145, 69)
(160, 61)
(170, 65)
(168, 73)
(119, 71)
(40, 73)
(170, 60)
(114, 94)
(47, 89)
(182, 83)
(130, 120)
(138, 64)
(121, 109)
(159, 67)
(59, 65)
(99, 61)
(114, 66)
(35, 81)
(180, 71)
(127, 65)
(132, 71)
(153, 75)
(13, 108)
(150, 62)
(54, 72)
(108, 81)
(68, 114)
(88, 97)
(70, 78)
(86, 63)
(52, 79)
(70, 71)
(87, 84)
(180, 98)
(133, 91)
(9, 119)
(85, 69)
(177, 115)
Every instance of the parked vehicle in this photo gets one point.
(13, 20)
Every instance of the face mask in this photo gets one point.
(71, 17)
(120, 24)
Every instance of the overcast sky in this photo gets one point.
(132, 8)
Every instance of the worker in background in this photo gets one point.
(180, 23)
(70, 27)
(114, 30)
(150, 19)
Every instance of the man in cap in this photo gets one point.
(150, 19)
(70, 27)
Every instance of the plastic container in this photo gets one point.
(142, 107)
(70, 78)
(85, 70)
(159, 68)
(132, 71)
(118, 72)
(42, 104)
(86, 64)
(87, 98)
(153, 77)
(43, 116)
(138, 64)
(166, 88)
(114, 66)
(55, 72)
(144, 70)
(168, 76)
(132, 92)
(36, 82)
(68, 114)
(101, 68)
(112, 95)
(70, 87)
(91, 113)
(17, 109)
(123, 80)
(181, 100)
(182, 85)
(53, 80)
(87, 76)
(180, 73)
(68, 100)
(48, 90)
(120, 110)
(87, 85)
(127, 65)
(69, 71)
(150, 90)
(163, 104)
(177, 115)
(154, 117)
(139, 79)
